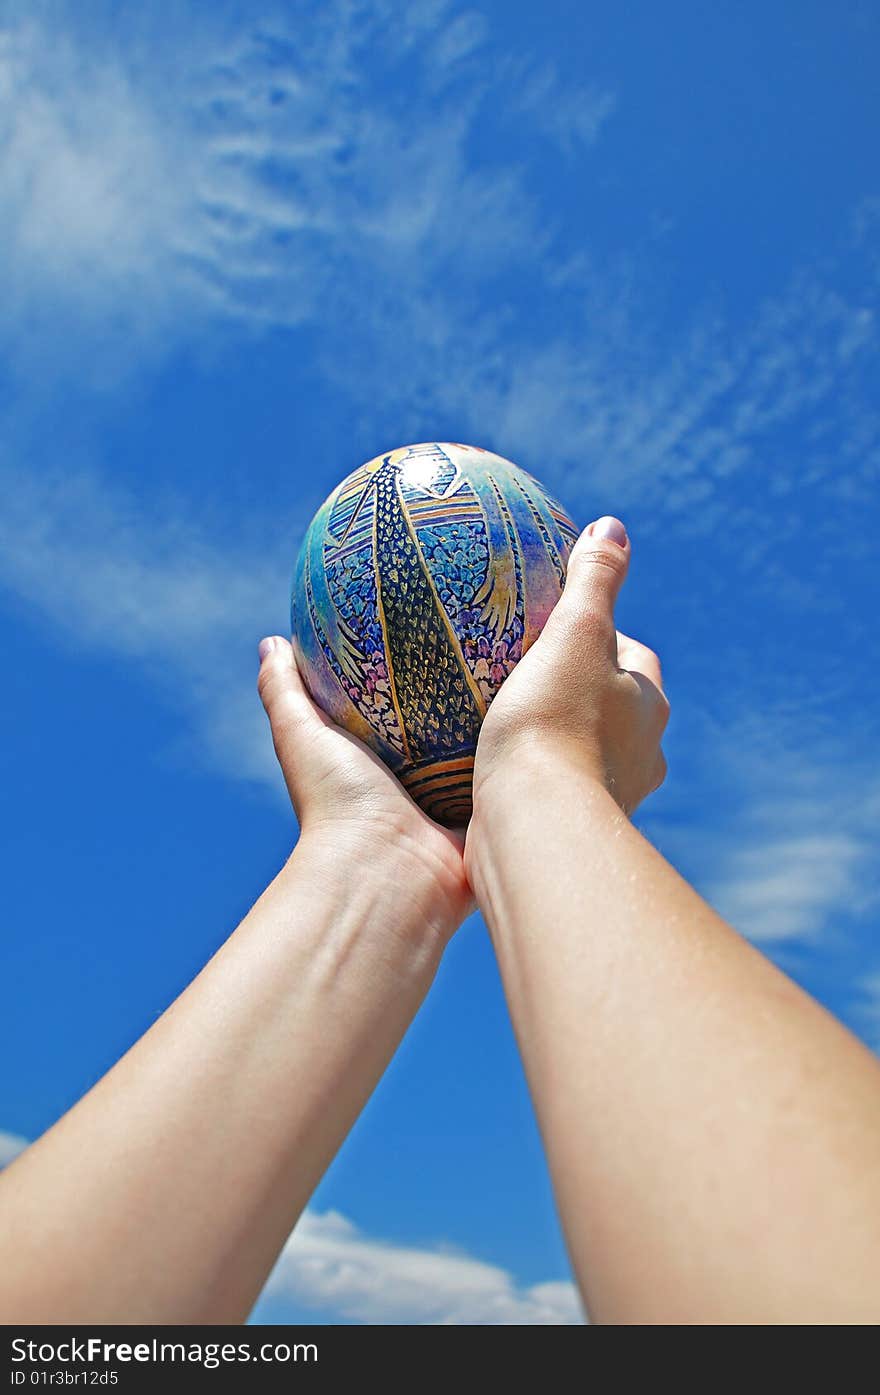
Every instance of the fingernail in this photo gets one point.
(265, 647)
(609, 528)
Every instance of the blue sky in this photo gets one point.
(244, 248)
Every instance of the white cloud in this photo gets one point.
(667, 430)
(268, 180)
(572, 116)
(785, 887)
(788, 853)
(273, 179)
(188, 608)
(95, 188)
(330, 1265)
(280, 178)
(11, 1144)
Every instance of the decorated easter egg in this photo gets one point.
(420, 583)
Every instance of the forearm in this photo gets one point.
(713, 1135)
(167, 1192)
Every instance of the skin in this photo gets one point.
(166, 1193)
(713, 1134)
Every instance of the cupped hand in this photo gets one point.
(583, 692)
(343, 794)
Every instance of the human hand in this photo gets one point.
(348, 801)
(584, 693)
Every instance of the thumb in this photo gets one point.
(596, 571)
(598, 565)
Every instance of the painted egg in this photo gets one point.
(420, 583)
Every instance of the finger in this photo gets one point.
(639, 658)
(596, 571)
(284, 696)
(279, 684)
(656, 703)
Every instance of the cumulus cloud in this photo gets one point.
(330, 1265)
(333, 1267)
(274, 180)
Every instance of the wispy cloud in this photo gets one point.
(276, 181)
(330, 1265)
(787, 851)
(295, 178)
(791, 887)
(11, 1144)
(296, 161)
(187, 607)
(667, 429)
(572, 116)
(867, 1009)
(95, 193)
(281, 179)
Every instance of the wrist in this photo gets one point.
(524, 797)
(533, 761)
(400, 886)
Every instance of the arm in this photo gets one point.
(166, 1194)
(713, 1134)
